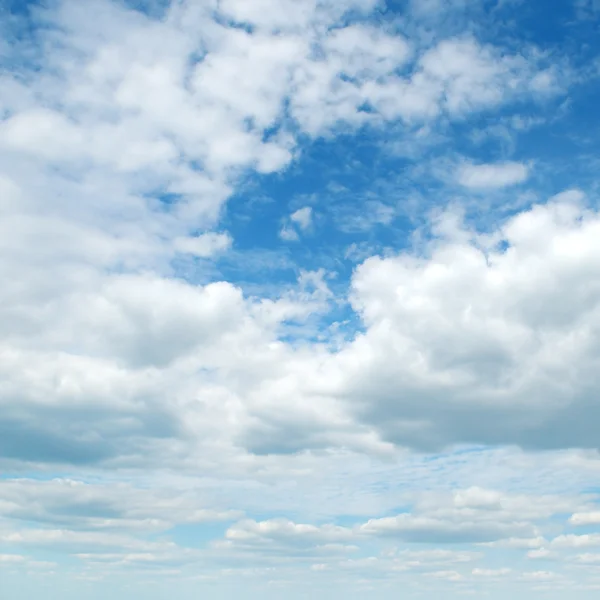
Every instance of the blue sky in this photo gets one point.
(300, 299)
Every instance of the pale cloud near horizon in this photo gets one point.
(205, 245)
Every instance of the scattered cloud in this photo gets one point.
(299, 222)
(302, 217)
(492, 176)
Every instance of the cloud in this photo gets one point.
(434, 519)
(447, 575)
(456, 77)
(431, 530)
(481, 295)
(469, 342)
(491, 572)
(437, 556)
(300, 221)
(492, 176)
(540, 553)
(302, 217)
(459, 329)
(588, 559)
(540, 576)
(364, 216)
(99, 548)
(288, 234)
(103, 507)
(11, 558)
(205, 245)
(587, 518)
(178, 414)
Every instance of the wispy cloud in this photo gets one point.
(486, 176)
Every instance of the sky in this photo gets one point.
(299, 299)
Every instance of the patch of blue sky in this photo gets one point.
(197, 535)
(366, 194)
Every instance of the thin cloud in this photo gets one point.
(489, 176)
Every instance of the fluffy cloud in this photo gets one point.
(474, 329)
(471, 341)
(436, 519)
(476, 341)
(151, 121)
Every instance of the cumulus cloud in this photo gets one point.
(588, 559)
(435, 519)
(151, 121)
(473, 310)
(111, 507)
(470, 342)
(588, 518)
(576, 541)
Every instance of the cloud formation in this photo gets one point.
(407, 396)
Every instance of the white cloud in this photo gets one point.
(302, 217)
(491, 572)
(437, 556)
(470, 342)
(576, 541)
(453, 348)
(300, 220)
(587, 518)
(588, 559)
(540, 553)
(457, 76)
(540, 576)
(11, 558)
(493, 175)
(205, 245)
(436, 519)
(447, 575)
(288, 234)
(432, 530)
(116, 507)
